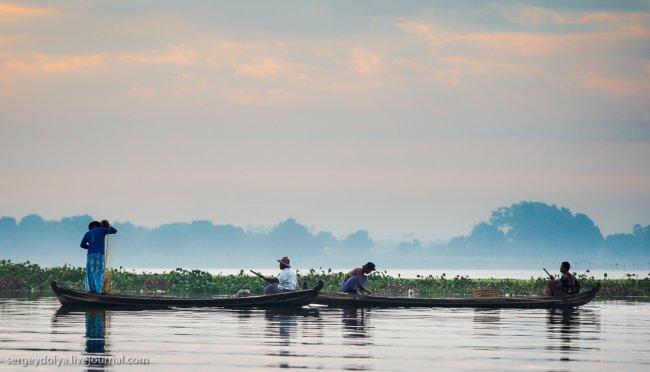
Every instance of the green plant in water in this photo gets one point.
(183, 282)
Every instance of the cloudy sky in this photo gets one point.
(406, 119)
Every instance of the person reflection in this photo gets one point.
(280, 331)
(563, 325)
(354, 326)
(95, 356)
(356, 338)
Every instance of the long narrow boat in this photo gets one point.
(352, 300)
(71, 297)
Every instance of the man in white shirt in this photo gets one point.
(287, 279)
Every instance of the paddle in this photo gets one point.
(549, 275)
(262, 276)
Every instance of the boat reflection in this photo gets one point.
(487, 322)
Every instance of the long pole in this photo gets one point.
(262, 276)
(549, 275)
(106, 287)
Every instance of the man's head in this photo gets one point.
(564, 268)
(368, 267)
(284, 262)
(93, 224)
(104, 223)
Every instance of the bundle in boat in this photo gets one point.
(486, 293)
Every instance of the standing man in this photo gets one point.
(287, 279)
(357, 279)
(93, 241)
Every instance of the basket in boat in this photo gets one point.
(486, 293)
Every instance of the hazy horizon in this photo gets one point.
(404, 119)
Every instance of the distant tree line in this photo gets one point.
(512, 236)
(199, 243)
(539, 229)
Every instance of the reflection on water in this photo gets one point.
(486, 322)
(357, 338)
(281, 329)
(564, 328)
(96, 350)
(96, 339)
(355, 327)
(613, 335)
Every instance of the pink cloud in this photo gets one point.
(176, 54)
(616, 27)
(45, 64)
(10, 11)
(366, 62)
(479, 66)
(269, 67)
(614, 85)
(350, 87)
(435, 37)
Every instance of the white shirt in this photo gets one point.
(288, 280)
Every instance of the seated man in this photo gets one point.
(287, 279)
(566, 285)
(357, 279)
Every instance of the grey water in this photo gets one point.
(35, 333)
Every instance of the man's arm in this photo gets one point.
(359, 274)
(364, 289)
(84, 242)
(271, 279)
(109, 229)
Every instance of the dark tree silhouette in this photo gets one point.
(535, 226)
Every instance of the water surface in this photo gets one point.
(597, 337)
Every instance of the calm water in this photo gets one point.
(597, 337)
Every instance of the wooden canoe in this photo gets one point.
(358, 301)
(71, 297)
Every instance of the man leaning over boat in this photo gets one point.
(357, 279)
(287, 280)
(93, 241)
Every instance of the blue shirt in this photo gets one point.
(93, 240)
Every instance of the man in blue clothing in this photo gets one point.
(357, 279)
(93, 241)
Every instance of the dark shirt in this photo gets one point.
(567, 283)
(93, 240)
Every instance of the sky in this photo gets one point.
(405, 119)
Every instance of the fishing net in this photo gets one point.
(108, 260)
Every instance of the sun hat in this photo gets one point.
(285, 261)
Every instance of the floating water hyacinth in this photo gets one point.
(28, 276)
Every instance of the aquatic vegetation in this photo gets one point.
(28, 276)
